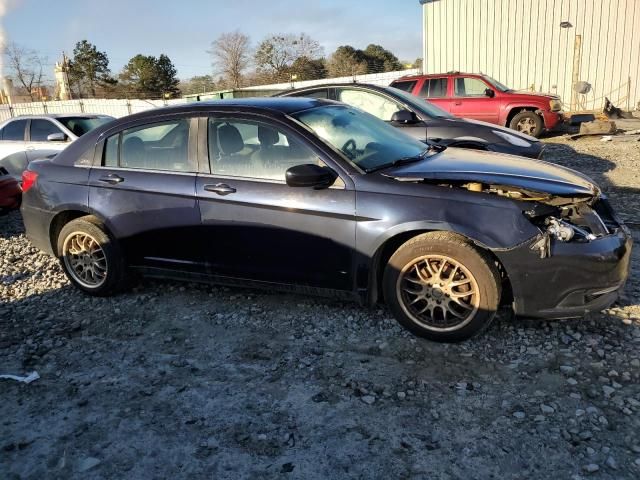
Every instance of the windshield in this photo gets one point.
(497, 84)
(368, 142)
(428, 109)
(81, 125)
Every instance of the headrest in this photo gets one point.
(229, 139)
(267, 136)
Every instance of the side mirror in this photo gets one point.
(310, 175)
(56, 137)
(489, 93)
(404, 117)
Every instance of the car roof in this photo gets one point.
(61, 115)
(430, 75)
(370, 86)
(250, 104)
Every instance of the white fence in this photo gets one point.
(382, 79)
(122, 107)
(115, 108)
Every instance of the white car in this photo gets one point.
(23, 139)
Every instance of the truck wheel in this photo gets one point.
(439, 286)
(529, 123)
(91, 259)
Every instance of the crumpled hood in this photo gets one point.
(457, 164)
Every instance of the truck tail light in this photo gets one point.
(29, 178)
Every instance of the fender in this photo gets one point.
(506, 109)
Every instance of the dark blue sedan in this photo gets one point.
(315, 196)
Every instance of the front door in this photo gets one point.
(257, 227)
(145, 188)
(471, 101)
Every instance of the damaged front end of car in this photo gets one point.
(579, 259)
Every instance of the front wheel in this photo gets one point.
(90, 258)
(439, 286)
(529, 123)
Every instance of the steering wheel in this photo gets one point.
(349, 148)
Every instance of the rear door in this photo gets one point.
(145, 188)
(471, 101)
(257, 227)
(436, 91)
(12, 147)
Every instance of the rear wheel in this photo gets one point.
(529, 123)
(90, 257)
(439, 286)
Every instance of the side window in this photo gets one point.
(14, 131)
(406, 86)
(160, 146)
(41, 129)
(244, 148)
(372, 103)
(110, 152)
(434, 88)
(469, 87)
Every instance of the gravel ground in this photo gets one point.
(190, 381)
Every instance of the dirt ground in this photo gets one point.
(189, 381)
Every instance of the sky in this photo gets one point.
(185, 29)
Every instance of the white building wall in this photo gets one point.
(521, 43)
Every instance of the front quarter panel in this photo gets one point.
(387, 208)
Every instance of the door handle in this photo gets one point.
(457, 103)
(220, 189)
(112, 179)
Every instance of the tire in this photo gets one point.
(527, 122)
(86, 235)
(475, 283)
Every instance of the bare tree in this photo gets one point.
(277, 53)
(230, 56)
(26, 66)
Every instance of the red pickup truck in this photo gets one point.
(480, 97)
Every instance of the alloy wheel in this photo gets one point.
(84, 259)
(438, 292)
(526, 125)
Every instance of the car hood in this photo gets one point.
(463, 165)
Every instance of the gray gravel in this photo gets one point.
(190, 381)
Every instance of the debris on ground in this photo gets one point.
(32, 377)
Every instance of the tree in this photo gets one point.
(277, 53)
(166, 77)
(147, 76)
(230, 57)
(380, 60)
(89, 70)
(308, 69)
(346, 61)
(26, 66)
(197, 84)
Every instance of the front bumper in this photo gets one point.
(552, 119)
(575, 279)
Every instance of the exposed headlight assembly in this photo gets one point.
(512, 139)
(564, 231)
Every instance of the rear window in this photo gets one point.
(434, 88)
(406, 86)
(14, 131)
(81, 125)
